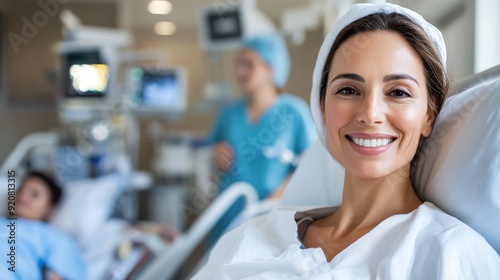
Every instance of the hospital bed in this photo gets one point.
(85, 210)
(167, 264)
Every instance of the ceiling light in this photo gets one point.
(165, 28)
(160, 7)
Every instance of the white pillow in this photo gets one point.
(458, 166)
(86, 206)
(318, 179)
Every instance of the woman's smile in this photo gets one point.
(370, 144)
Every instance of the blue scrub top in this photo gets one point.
(265, 152)
(38, 246)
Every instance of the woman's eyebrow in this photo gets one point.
(393, 77)
(350, 76)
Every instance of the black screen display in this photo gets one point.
(225, 25)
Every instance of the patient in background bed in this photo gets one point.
(41, 251)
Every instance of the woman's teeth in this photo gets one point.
(371, 143)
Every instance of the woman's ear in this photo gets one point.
(428, 123)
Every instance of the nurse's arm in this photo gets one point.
(223, 155)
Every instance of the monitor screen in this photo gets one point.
(162, 89)
(224, 26)
(221, 28)
(87, 75)
(89, 78)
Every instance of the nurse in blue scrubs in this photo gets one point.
(259, 137)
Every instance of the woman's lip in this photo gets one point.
(370, 151)
(371, 136)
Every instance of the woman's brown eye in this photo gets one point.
(346, 91)
(399, 93)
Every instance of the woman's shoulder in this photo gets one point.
(276, 226)
(448, 243)
(45, 231)
(441, 222)
(441, 226)
(260, 235)
(266, 236)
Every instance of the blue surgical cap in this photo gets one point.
(273, 50)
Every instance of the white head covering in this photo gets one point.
(356, 12)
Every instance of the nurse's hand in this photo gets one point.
(223, 156)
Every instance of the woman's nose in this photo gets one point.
(371, 110)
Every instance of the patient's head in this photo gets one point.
(37, 197)
(382, 87)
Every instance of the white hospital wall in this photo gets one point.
(487, 34)
(459, 38)
(473, 38)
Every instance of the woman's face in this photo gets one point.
(252, 73)
(33, 200)
(375, 107)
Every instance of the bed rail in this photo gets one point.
(165, 266)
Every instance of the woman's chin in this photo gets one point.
(370, 171)
(25, 214)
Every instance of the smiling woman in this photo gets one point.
(376, 106)
(384, 101)
(378, 86)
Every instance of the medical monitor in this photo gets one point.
(85, 74)
(221, 27)
(159, 89)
